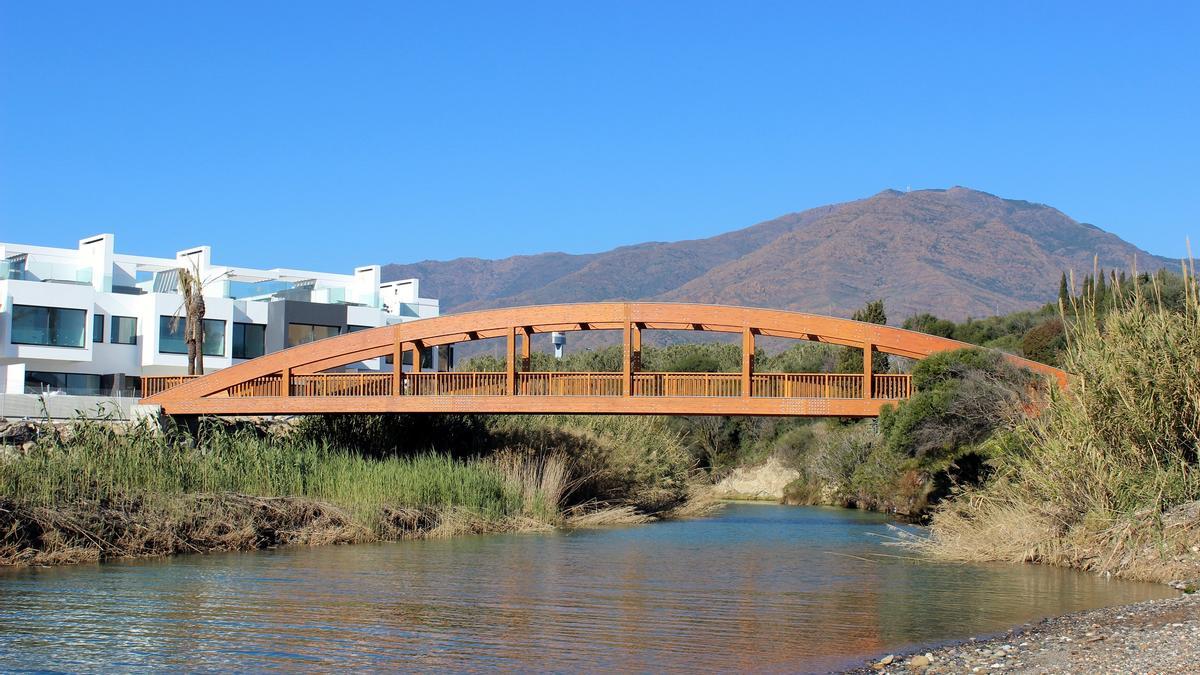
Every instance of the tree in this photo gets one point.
(930, 325)
(192, 289)
(1064, 291)
(851, 360)
(1045, 342)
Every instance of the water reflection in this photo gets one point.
(763, 588)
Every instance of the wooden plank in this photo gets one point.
(566, 405)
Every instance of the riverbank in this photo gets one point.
(91, 491)
(1160, 636)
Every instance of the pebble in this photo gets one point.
(1154, 636)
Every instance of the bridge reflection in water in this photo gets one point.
(298, 380)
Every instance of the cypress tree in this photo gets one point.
(1063, 291)
(851, 360)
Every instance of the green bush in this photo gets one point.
(961, 397)
(1045, 342)
(1092, 480)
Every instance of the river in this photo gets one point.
(755, 587)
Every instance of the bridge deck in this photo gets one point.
(817, 394)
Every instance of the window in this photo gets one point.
(124, 330)
(301, 333)
(79, 384)
(171, 330)
(249, 340)
(354, 329)
(97, 328)
(50, 326)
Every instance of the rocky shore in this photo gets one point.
(1159, 636)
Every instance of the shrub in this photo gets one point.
(1045, 342)
(961, 397)
(1095, 479)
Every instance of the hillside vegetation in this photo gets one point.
(976, 253)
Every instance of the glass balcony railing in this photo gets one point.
(41, 270)
(240, 290)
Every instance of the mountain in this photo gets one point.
(954, 253)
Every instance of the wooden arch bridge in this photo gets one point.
(305, 379)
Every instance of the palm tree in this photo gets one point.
(193, 330)
(192, 288)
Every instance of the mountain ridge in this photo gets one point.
(954, 252)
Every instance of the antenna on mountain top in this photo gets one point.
(908, 188)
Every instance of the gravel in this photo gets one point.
(1159, 636)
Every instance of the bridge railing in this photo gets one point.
(687, 384)
(342, 384)
(891, 386)
(454, 384)
(806, 385)
(653, 384)
(570, 384)
(157, 384)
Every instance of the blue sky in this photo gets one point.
(327, 135)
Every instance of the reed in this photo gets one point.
(1105, 476)
(85, 493)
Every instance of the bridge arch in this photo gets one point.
(296, 380)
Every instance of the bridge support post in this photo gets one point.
(510, 362)
(868, 370)
(397, 367)
(636, 359)
(526, 347)
(747, 361)
(627, 359)
(285, 381)
(415, 347)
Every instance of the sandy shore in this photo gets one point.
(1159, 636)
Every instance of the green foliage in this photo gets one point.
(709, 357)
(1040, 334)
(851, 360)
(802, 357)
(97, 463)
(1092, 479)
(961, 396)
(1045, 342)
(388, 435)
(930, 324)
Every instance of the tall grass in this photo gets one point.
(1102, 478)
(103, 464)
(97, 490)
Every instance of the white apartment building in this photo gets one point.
(91, 322)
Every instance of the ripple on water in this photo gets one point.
(752, 588)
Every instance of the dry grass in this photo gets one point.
(606, 517)
(1103, 478)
